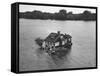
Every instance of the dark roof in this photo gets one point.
(54, 37)
(51, 37)
(67, 36)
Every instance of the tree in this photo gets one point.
(87, 13)
(62, 15)
(62, 11)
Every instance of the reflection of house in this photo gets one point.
(56, 40)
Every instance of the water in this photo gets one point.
(81, 55)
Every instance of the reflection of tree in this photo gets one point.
(61, 15)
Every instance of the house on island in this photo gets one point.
(54, 40)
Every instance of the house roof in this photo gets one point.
(54, 37)
(67, 36)
(51, 37)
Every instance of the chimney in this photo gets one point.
(58, 32)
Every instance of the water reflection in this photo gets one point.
(61, 57)
(39, 52)
(54, 60)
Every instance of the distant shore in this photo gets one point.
(61, 15)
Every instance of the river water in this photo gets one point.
(81, 55)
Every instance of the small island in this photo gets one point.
(55, 43)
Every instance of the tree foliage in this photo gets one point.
(61, 15)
